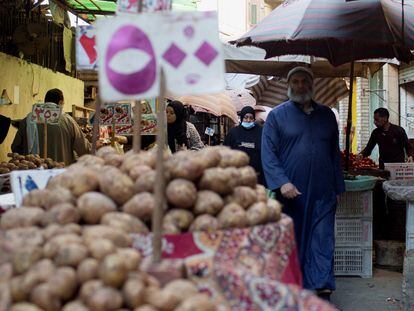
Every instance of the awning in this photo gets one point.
(91, 9)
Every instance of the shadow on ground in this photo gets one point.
(382, 292)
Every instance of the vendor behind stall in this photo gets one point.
(391, 140)
(64, 138)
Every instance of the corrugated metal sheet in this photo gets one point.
(273, 92)
(406, 73)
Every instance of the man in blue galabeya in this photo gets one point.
(301, 163)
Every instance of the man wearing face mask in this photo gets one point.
(301, 162)
(247, 137)
(391, 139)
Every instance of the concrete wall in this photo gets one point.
(392, 92)
(233, 16)
(31, 83)
(363, 113)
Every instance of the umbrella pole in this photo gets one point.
(349, 119)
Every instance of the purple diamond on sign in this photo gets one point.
(206, 53)
(174, 55)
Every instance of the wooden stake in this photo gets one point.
(159, 190)
(95, 129)
(136, 138)
(349, 119)
(45, 139)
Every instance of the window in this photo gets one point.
(253, 14)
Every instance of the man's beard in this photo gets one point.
(300, 98)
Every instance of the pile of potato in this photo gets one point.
(28, 162)
(74, 268)
(206, 190)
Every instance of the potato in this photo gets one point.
(258, 214)
(181, 193)
(21, 217)
(44, 297)
(179, 218)
(93, 205)
(141, 206)
(24, 258)
(112, 270)
(99, 248)
(41, 272)
(117, 185)
(188, 168)
(208, 202)
(75, 305)
(181, 289)
(242, 195)
(87, 270)
(117, 236)
(5, 297)
(50, 249)
(232, 216)
(131, 258)
(4, 170)
(126, 222)
(71, 255)
(6, 272)
(150, 157)
(218, 180)
(131, 160)
(58, 195)
(209, 157)
(63, 283)
(63, 213)
(199, 302)
(145, 182)
(88, 159)
(234, 158)
(138, 171)
(115, 160)
(133, 292)
(25, 306)
(204, 222)
(161, 299)
(248, 176)
(54, 230)
(170, 228)
(25, 236)
(88, 288)
(77, 181)
(275, 210)
(105, 298)
(104, 151)
(146, 308)
(18, 292)
(261, 193)
(36, 198)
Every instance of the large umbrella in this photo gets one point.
(339, 31)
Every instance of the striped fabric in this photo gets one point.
(274, 92)
(338, 30)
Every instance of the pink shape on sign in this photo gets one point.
(206, 53)
(189, 31)
(174, 55)
(131, 37)
(192, 78)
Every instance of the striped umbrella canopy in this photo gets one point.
(270, 93)
(338, 30)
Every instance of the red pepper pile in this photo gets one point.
(354, 163)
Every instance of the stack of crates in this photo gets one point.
(353, 234)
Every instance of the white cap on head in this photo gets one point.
(299, 69)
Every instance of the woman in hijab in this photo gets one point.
(177, 127)
(247, 137)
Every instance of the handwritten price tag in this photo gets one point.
(46, 113)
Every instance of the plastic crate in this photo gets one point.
(355, 204)
(355, 261)
(400, 171)
(353, 232)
